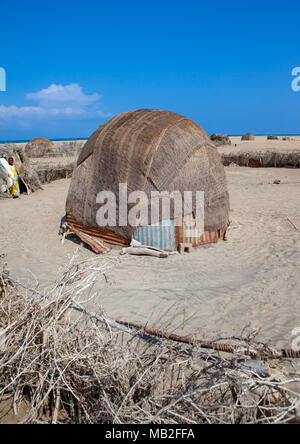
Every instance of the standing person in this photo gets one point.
(15, 189)
(7, 178)
(3, 176)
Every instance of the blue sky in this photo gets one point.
(72, 65)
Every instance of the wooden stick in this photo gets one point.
(295, 226)
(17, 324)
(56, 409)
(185, 340)
(225, 348)
(137, 244)
(140, 251)
(4, 333)
(2, 284)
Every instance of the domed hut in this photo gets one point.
(39, 147)
(220, 139)
(248, 136)
(149, 150)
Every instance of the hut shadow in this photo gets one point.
(73, 238)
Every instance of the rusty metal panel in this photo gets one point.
(104, 234)
(97, 245)
(160, 235)
(187, 232)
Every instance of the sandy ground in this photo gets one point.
(262, 144)
(253, 279)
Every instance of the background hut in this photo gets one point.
(248, 136)
(66, 150)
(39, 147)
(150, 150)
(220, 139)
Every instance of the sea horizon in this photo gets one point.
(52, 140)
(86, 138)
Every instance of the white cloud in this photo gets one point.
(59, 94)
(22, 111)
(56, 101)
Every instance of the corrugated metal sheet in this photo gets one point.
(160, 235)
(166, 235)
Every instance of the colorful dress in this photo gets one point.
(15, 189)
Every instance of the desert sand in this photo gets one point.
(251, 280)
(261, 143)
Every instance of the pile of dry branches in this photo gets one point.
(79, 367)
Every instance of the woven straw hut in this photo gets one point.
(150, 150)
(248, 136)
(220, 139)
(39, 147)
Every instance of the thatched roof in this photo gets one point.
(38, 147)
(248, 136)
(150, 150)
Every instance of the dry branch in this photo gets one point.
(78, 370)
(294, 225)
